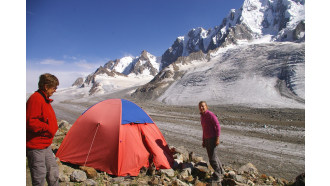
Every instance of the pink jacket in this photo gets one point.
(210, 124)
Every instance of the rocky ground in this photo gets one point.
(271, 139)
(188, 169)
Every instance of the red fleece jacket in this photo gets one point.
(210, 125)
(41, 123)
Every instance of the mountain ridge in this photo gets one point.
(263, 21)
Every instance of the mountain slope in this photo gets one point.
(257, 75)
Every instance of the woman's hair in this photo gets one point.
(202, 102)
(47, 79)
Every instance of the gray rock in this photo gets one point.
(241, 179)
(179, 182)
(79, 81)
(90, 182)
(78, 176)
(64, 125)
(118, 179)
(201, 171)
(185, 173)
(167, 172)
(63, 178)
(248, 168)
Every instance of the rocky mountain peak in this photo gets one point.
(144, 65)
(282, 19)
(144, 55)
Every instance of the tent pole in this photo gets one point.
(98, 124)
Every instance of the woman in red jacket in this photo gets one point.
(41, 126)
(211, 134)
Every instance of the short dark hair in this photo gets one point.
(47, 79)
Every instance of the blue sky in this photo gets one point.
(72, 38)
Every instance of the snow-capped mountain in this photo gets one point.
(136, 70)
(255, 57)
(251, 74)
(282, 20)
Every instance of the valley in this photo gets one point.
(273, 139)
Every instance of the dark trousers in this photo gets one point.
(43, 166)
(213, 158)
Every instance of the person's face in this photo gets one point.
(50, 90)
(202, 108)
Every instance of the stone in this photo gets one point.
(176, 164)
(200, 171)
(228, 182)
(167, 172)
(189, 179)
(118, 179)
(231, 174)
(199, 183)
(187, 165)
(240, 178)
(271, 179)
(63, 177)
(248, 168)
(197, 159)
(154, 181)
(64, 125)
(250, 183)
(78, 176)
(90, 182)
(90, 172)
(183, 151)
(178, 157)
(184, 173)
(179, 182)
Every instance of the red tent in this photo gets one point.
(115, 136)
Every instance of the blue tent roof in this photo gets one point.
(131, 113)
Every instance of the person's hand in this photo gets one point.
(217, 142)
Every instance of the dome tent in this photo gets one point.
(115, 136)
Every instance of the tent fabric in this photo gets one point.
(99, 139)
(133, 114)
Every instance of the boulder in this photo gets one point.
(201, 170)
(90, 172)
(78, 176)
(248, 168)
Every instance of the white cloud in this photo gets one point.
(51, 62)
(85, 65)
(70, 57)
(66, 78)
(67, 71)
